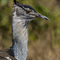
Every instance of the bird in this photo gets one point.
(21, 17)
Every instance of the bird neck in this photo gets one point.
(20, 38)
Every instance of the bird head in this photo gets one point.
(27, 12)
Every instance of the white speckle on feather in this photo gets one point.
(8, 58)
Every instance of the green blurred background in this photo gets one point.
(44, 36)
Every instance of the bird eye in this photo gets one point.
(28, 10)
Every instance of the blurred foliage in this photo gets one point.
(38, 27)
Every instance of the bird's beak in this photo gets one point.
(41, 16)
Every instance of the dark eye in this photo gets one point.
(28, 10)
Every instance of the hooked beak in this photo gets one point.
(41, 16)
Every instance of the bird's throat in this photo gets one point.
(20, 38)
